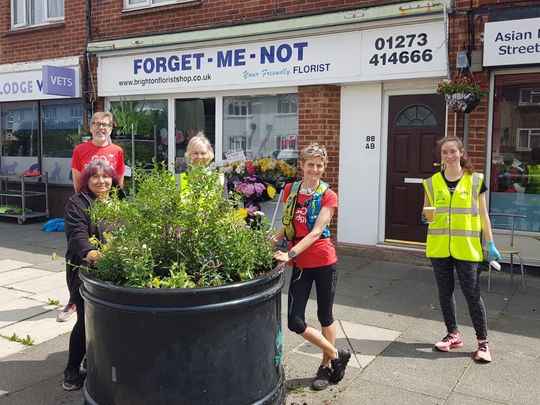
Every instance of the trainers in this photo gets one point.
(482, 354)
(73, 380)
(339, 365)
(450, 341)
(66, 313)
(322, 379)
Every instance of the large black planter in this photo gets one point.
(218, 345)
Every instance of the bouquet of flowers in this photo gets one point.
(256, 181)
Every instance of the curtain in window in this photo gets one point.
(55, 8)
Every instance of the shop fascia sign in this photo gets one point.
(513, 42)
(407, 51)
(33, 84)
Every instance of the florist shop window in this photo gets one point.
(261, 126)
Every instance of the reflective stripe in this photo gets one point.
(442, 231)
(466, 211)
(468, 234)
(474, 194)
(431, 192)
(453, 232)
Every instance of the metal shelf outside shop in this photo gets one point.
(15, 186)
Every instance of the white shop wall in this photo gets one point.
(359, 162)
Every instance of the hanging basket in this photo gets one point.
(462, 102)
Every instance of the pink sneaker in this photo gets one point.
(482, 354)
(450, 341)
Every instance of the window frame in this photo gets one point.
(150, 4)
(27, 11)
(530, 133)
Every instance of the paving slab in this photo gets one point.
(21, 274)
(414, 366)
(40, 328)
(45, 283)
(20, 309)
(511, 378)
(7, 347)
(361, 391)
(9, 264)
(456, 398)
(515, 335)
(366, 342)
(8, 294)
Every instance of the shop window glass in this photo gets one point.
(515, 160)
(36, 12)
(60, 130)
(269, 130)
(144, 122)
(191, 116)
(19, 129)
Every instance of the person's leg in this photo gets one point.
(299, 289)
(469, 279)
(77, 347)
(68, 311)
(444, 276)
(325, 285)
(468, 275)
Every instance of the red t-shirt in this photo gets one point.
(322, 251)
(84, 153)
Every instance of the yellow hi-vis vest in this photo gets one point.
(457, 227)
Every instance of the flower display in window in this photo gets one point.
(256, 181)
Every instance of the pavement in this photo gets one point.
(387, 314)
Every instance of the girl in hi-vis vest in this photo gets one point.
(309, 207)
(454, 241)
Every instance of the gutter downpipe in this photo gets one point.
(88, 105)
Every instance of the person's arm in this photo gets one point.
(121, 181)
(76, 176)
(484, 219)
(323, 220)
(279, 236)
(77, 225)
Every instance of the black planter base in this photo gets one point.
(204, 346)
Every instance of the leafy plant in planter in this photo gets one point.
(182, 343)
(461, 93)
(167, 238)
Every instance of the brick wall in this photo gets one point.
(110, 22)
(319, 121)
(67, 38)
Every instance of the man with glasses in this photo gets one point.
(100, 147)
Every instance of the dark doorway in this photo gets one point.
(415, 123)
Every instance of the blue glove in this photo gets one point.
(423, 218)
(492, 251)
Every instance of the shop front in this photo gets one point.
(41, 117)
(512, 51)
(257, 96)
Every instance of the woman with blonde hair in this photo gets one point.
(199, 151)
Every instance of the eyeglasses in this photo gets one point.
(102, 124)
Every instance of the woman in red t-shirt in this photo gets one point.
(314, 259)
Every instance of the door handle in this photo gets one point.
(413, 180)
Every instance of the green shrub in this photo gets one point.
(165, 237)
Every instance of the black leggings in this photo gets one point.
(301, 281)
(77, 339)
(469, 279)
